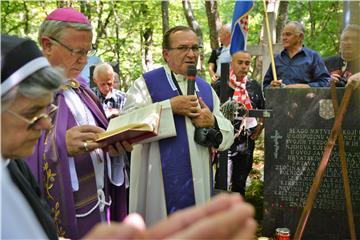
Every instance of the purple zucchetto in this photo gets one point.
(68, 15)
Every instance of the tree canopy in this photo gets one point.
(130, 32)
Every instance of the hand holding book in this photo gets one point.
(134, 126)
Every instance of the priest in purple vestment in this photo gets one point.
(83, 180)
(172, 171)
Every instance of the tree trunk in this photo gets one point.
(214, 22)
(190, 18)
(281, 19)
(122, 79)
(146, 41)
(85, 8)
(312, 20)
(26, 20)
(165, 16)
(61, 3)
(101, 26)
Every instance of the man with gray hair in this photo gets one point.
(297, 66)
(112, 99)
(83, 179)
(219, 56)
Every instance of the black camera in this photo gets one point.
(208, 137)
(342, 82)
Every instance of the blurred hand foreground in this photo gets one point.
(226, 216)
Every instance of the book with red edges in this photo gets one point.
(134, 126)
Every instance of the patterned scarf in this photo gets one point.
(240, 94)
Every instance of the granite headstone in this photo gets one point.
(295, 138)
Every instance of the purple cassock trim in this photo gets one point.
(60, 196)
(174, 151)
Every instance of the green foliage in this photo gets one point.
(122, 39)
(255, 195)
(325, 17)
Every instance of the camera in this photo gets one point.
(342, 82)
(208, 137)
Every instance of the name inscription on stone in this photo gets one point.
(295, 139)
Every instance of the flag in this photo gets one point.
(239, 27)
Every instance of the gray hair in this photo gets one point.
(352, 28)
(40, 83)
(102, 68)
(298, 25)
(55, 29)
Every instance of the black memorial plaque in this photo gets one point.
(295, 138)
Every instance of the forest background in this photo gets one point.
(130, 32)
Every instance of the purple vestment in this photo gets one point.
(174, 151)
(50, 166)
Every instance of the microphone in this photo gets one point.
(191, 75)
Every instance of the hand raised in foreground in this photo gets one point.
(224, 217)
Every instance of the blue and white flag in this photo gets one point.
(239, 27)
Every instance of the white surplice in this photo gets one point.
(146, 181)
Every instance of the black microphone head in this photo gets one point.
(191, 70)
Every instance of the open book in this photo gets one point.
(133, 127)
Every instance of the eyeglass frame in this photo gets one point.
(75, 52)
(186, 49)
(35, 120)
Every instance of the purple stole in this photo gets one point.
(174, 151)
(52, 153)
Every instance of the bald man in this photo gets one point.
(112, 99)
(246, 130)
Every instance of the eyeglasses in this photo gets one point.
(35, 120)
(76, 52)
(185, 49)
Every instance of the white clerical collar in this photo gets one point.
(178, 77)
(4, 162)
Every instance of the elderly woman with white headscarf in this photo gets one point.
(27, 86)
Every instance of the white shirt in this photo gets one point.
(18, 221)
(224, 57)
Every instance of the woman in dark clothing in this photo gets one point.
(27, 85)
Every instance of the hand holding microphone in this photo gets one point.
(191, 76)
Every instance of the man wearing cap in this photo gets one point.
(81, 178)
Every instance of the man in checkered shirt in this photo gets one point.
(112, 99)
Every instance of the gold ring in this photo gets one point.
(86, 146)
